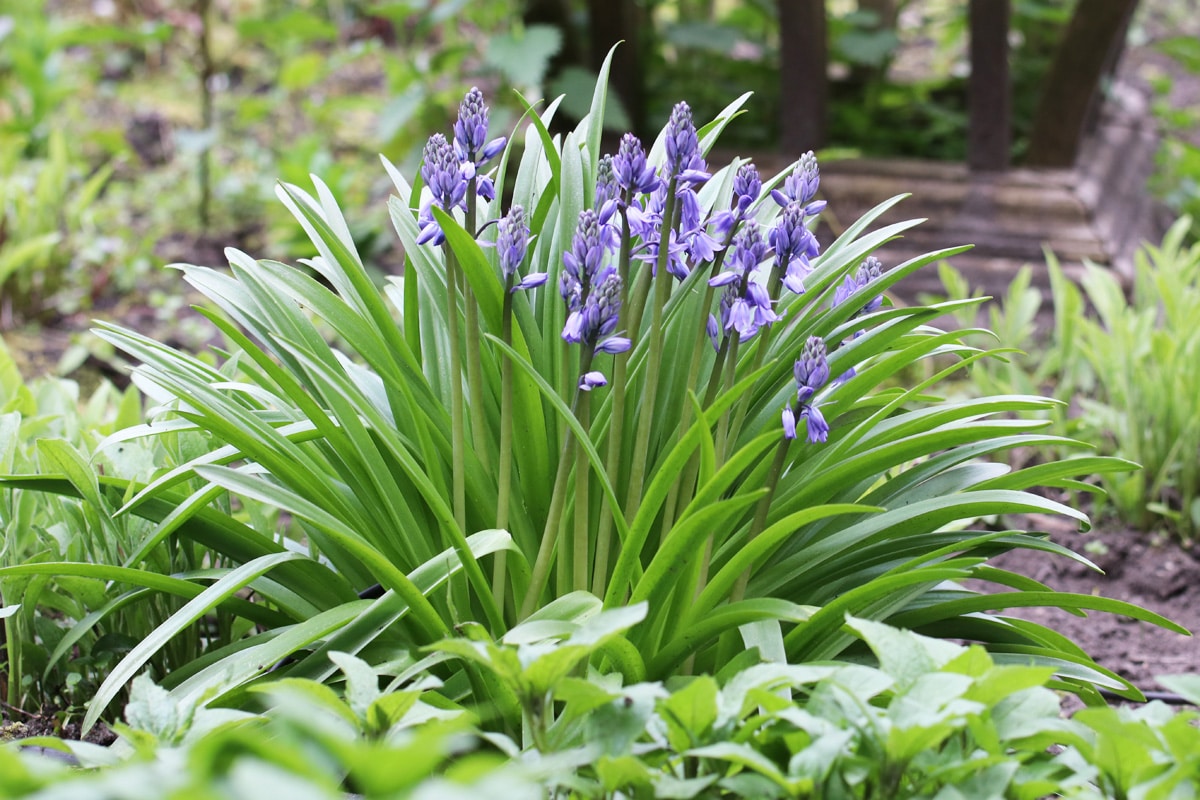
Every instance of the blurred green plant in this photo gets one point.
(46, 209)
(1177, 175)
(1145, 355)
(1126, 377)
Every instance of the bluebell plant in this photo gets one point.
(579, 382)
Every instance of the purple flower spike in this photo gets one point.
(811, 373)
(512, 240)
(445, 184)
(682, 142)
(442, 173)
(630, 169)
(749, 249)
(747, 186)
(867, 271)
(801, 186)
(607, 188)
(789, 237)
(812, 370)
(471, 130)
(684, 161)
(746, 306)
(592, 290)
(582, 263)
(794, 246)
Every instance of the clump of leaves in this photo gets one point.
(929, 718)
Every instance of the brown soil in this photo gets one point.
(1154, 573)
(48, 723)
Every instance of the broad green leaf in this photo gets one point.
(904, 655)
(362, 683)
(690, 712)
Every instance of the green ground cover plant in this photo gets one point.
(625, 380)
(932, 719)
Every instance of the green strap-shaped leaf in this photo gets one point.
(193, 610)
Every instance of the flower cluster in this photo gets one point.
(684, 162)
(633, 175)
(811, 373)
(591, 288)
(794, 244)
(745, 306)
(471, 131)
(448, 170)
(747, 186)
(801, 186)
(688, 242)
(867, 271)
(512, 241)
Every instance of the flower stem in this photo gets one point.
(457, 432)
(616, 424)
(545, 554)
(727, 645)
(504, 477)
(558, 498)
(682, 489)
(479, 431)
(729, 379)
(641, 450)
(760, 514)
(579, 553)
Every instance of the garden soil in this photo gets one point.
(1155, 573)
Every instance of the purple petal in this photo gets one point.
(693, 177)
(485, 188)
(573, 329)
(531, 281)
(794, 283)
(613, 345)
(789, 423)
(592, 380)
(724, 279)
(818, 428)
(493, 148)
(431, 233)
